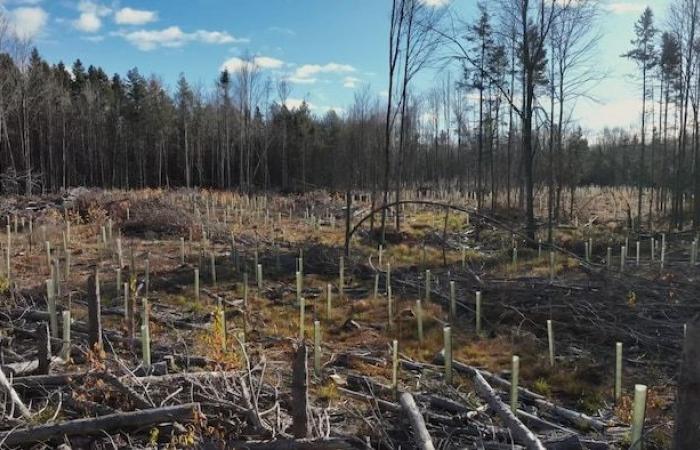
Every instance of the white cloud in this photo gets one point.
(130, 16)
(308, 70)
(295, 103)
(28, 22)
(350, 82)
(235, 64)
(214, 37)
(297, 80)
(435, 3)
(307, 73)
(174, 37)
(90, 20)
(625, 7)
(266, 62)
(21, 2)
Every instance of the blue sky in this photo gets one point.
(327, 48)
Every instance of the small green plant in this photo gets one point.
(542, 386)
(4, 285)
(328, 392)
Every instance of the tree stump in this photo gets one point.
(301, 428)
(43, 348)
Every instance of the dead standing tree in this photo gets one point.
(532, 22)
(395, 33)
(419, 47)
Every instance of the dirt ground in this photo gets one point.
(592, 304)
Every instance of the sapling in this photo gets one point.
(618, 371)
(394, 364)
(65, 350)
(419, 320)
(51, 301)
(388, 278)
(453, 302)
(447, 338)
(550, 341)
(146, 346)
(341, 277)
(390, 309)
(196, 284)
(329, 301)
(48, 255)
(478, 312)
(623, 255)
(147, 275)
(302, 317)
(638, 413)
(514, 378)
(317, 348)
(427, 286)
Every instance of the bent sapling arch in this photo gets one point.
(473, 212)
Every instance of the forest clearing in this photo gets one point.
(193, 325)
(357, 224)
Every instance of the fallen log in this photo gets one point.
(28, 367)
(520, 432)
(92, 426)
(177, 377)
(32, 382)
(134, 396)
(295, 444)
(578, 419)
(14, 396)
(421, 434)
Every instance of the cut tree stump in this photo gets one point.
(43, 343)
(301, 428)
(420, 432)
